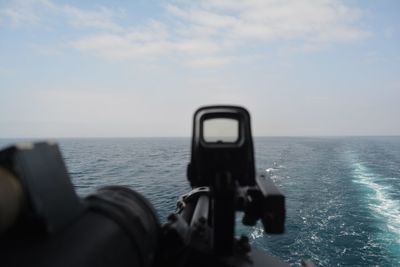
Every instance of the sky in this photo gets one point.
(141, 68)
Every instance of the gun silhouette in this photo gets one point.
(222, 175)
(44, 223)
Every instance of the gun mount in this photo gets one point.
(43, 222)
(222, 175)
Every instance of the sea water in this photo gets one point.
(342, 194)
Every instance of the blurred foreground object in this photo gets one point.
(44, 223)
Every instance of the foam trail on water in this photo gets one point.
(257, 233)
(380, 201)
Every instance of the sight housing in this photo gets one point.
(222, 169)
(221, 143)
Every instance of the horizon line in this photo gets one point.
(254, 136)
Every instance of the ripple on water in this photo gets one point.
(342, 208)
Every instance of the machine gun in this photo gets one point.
(222, 175)
(44, 223)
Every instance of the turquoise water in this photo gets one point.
(343, 194)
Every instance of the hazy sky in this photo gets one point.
(141, 68)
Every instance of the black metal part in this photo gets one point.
(223, 225)
(117, 227)
(93, 240)
(201, 211)
(125, 230)
(176, 231)
(226, 165)
(265, 202)
(273, 206)
(222, 165)
(134, 214)
(198, 251)
(52, 201)
(11, 200)
(208, 158)
(187, 211)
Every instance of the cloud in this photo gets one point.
(148, 40)
(21, 13)
(303, 20)
(205, 33)
(101, 18)
(214, 29)
(27, 12)
(119, 47)
(210, 61)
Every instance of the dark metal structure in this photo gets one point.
(44, 223)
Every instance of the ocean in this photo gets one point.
(342, 194)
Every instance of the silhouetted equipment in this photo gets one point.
(222, 175)
(44, 223)
(51, 226)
